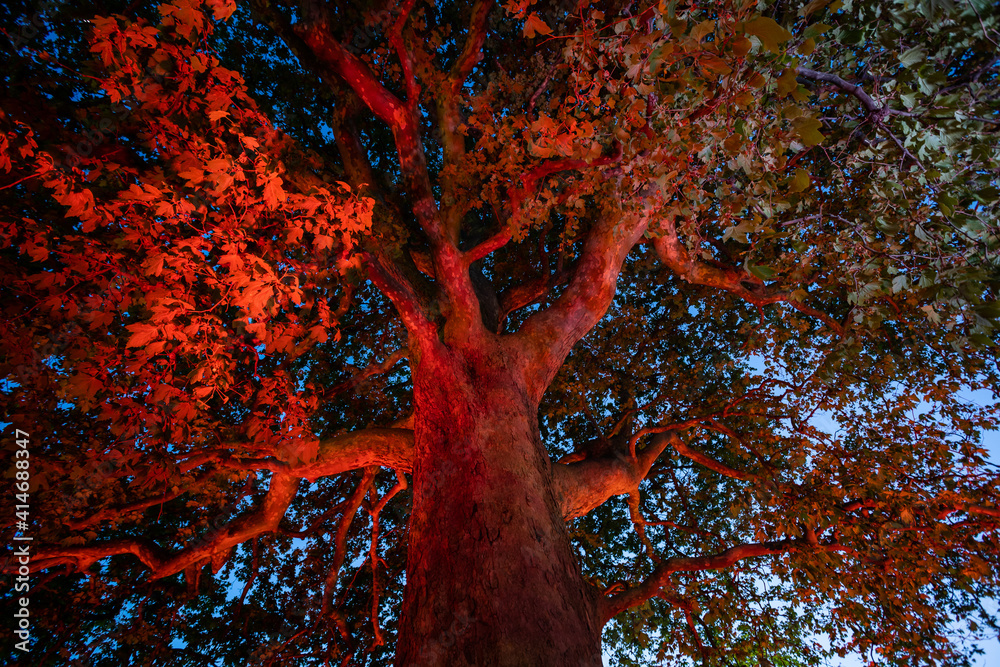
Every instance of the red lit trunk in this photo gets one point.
(491, 578)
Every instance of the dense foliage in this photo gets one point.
(206, 228)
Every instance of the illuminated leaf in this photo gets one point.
(533, 24)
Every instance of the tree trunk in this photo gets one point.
(491, 577)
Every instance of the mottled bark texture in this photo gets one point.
(491, 577)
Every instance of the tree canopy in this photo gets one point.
(737, 262)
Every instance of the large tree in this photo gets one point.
(445, 333)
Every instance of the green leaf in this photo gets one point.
(787, 82)
(808, 130)
(800, 181)
(947, 204)
(987, 195)
(815, 30)
(852, 37)
(770, 34)
(912, 56)
(982, 340)
(813, 6)
(989, 310)
(762, 272)
(658, 57)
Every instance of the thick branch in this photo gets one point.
(527, 293)
(858, 92)
(676, 257)
(373, 369)
(530, 182)
(612, 606)
(404, 55)
(548, 336)
(385, 447)
(331, 54)
(490, 245)
(403, 119)
(984, 511)
(397, 289)
(583, 485)
(586, 484)
(448, 110)
(317, 50)
(352, 152)
(262, 519)
(124, 510)
(877, 112)
(686, 451)
(340, 546)
(391, 448)
(472, 52)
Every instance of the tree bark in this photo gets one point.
(491, 576)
